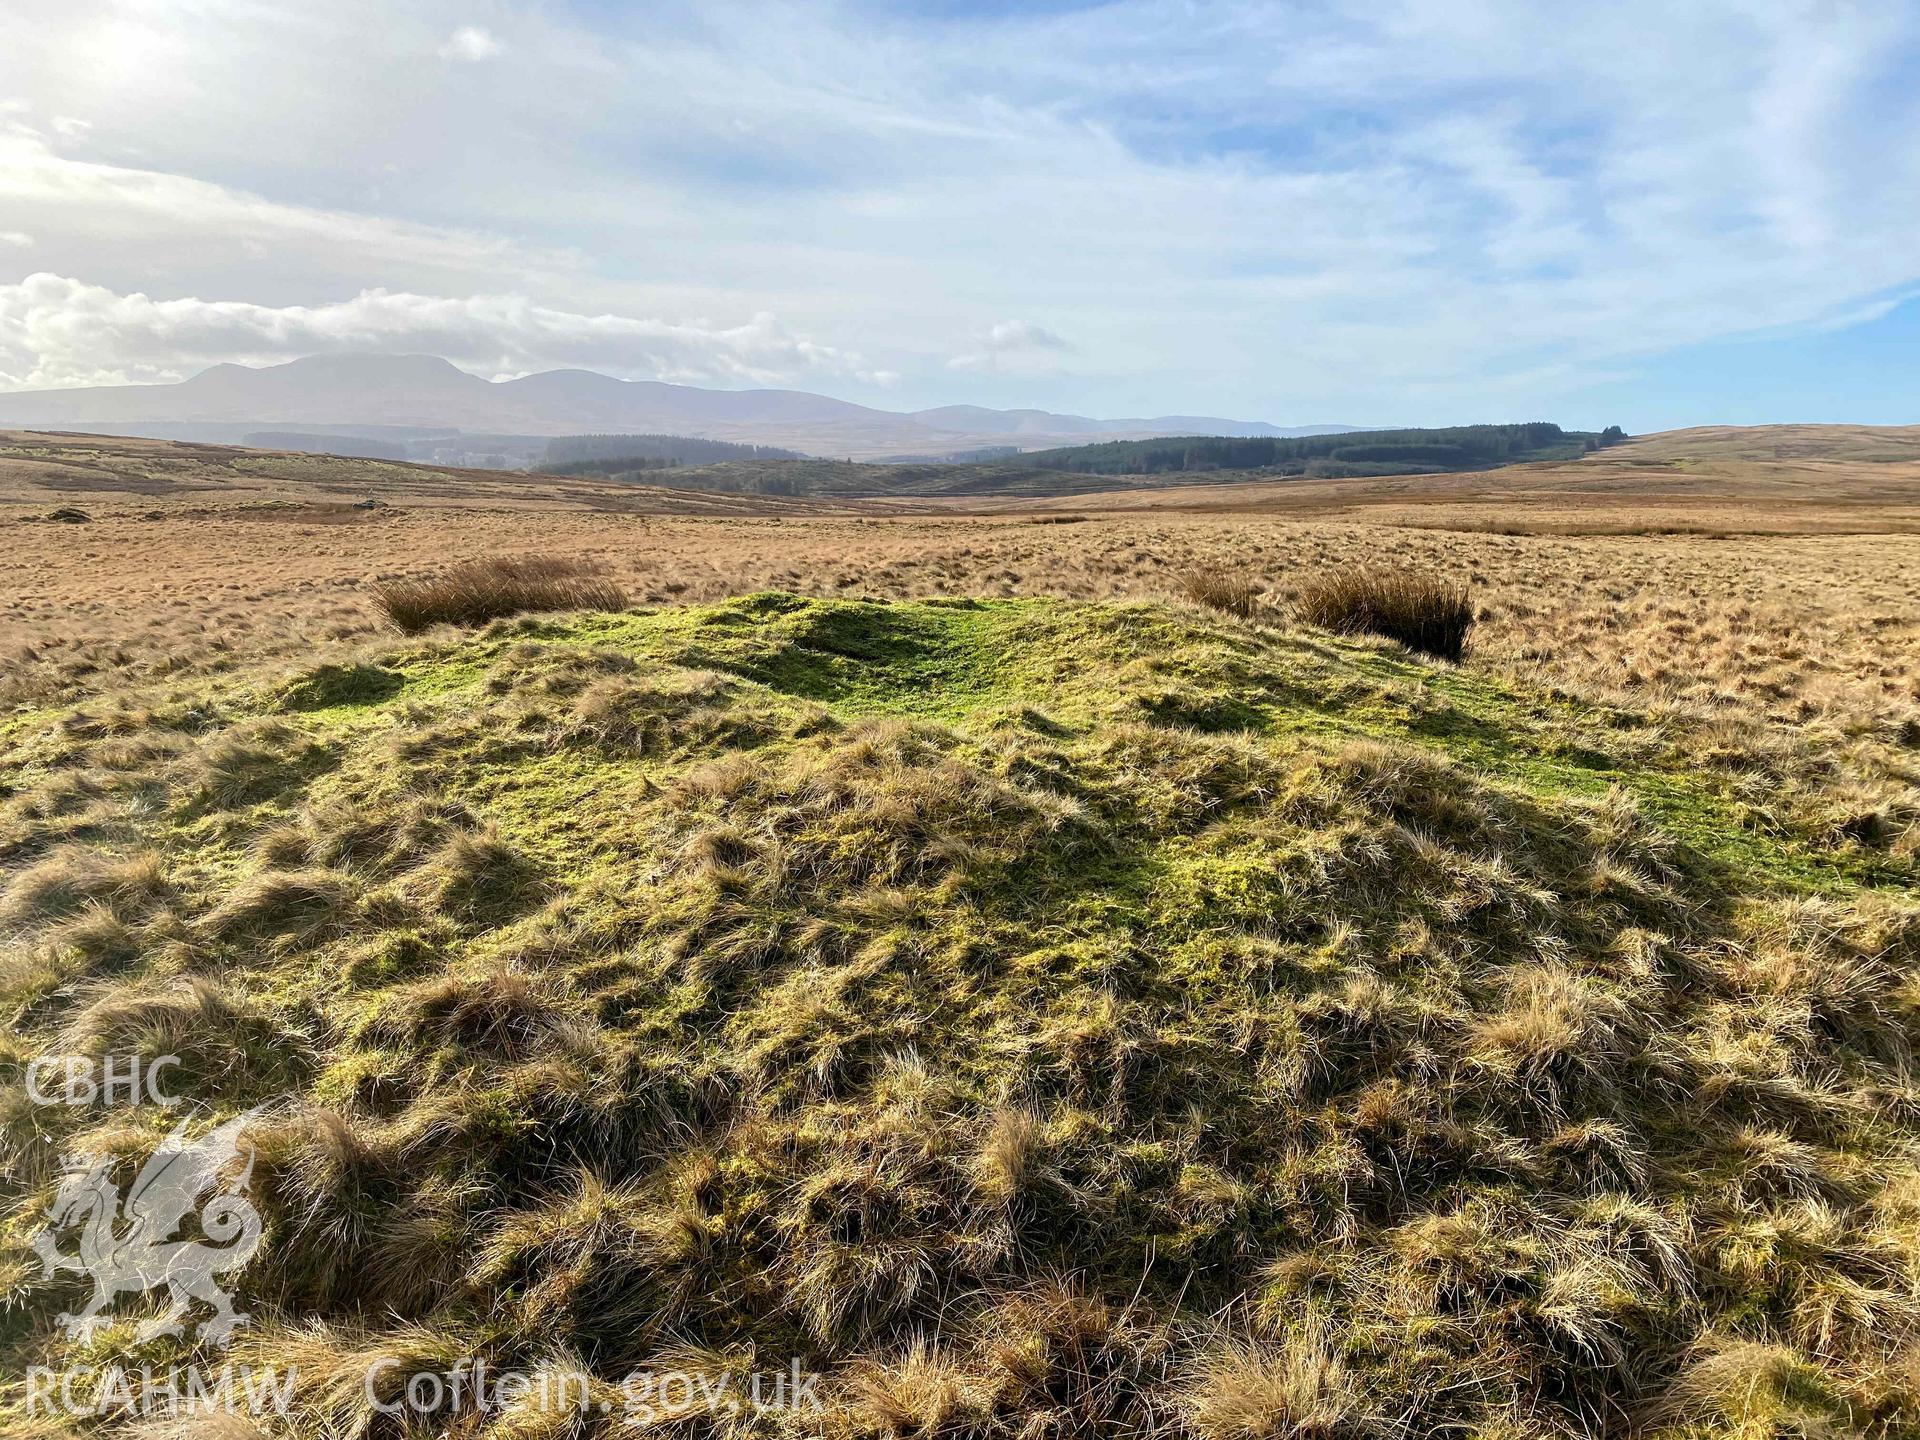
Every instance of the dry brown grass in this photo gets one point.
(1287, 1394)
(1875, 444)
(1796, 631)
(477, 591)
(1423, 612)
(1220, 589)
(1777, 595)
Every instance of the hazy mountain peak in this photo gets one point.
(338, 392)
(368, 364)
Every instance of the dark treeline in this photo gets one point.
(621, 454)
(1365, 452)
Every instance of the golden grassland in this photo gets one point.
(1822, 444)
(1775, 588)
(1001, 953)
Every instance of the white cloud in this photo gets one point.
(16, 239)
(471, 43)
(70, 127)
(56, 331)
(1303, 210)
(1018, 346)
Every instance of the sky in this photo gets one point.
(1323, 211)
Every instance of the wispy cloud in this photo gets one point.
(1012, 345)
(471, 43)
(1291, 210)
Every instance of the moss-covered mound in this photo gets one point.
(1041, 1018)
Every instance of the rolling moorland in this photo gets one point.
(1097, 467)
(922, 935)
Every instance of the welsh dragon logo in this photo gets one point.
(133, 1243)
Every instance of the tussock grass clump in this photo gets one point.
(351, 1378)
(477, 591)
(886, 803)
(924, 1390)
(1011, 1157)
(477, 876)
(1752, 1387)
(247, 764)
(499, 1010)
(220, 1036)
(383, 835)
(632, 717)
(1249, 1393)
(298, 904)
(168, 1015)
(98, 937)
(1423, 612)
(1219, 588)
(583, 1256)
(75, 878)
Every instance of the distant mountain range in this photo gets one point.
(398, 398)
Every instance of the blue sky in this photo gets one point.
(1363, 211)
(1866, 372)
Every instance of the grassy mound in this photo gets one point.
(1044, 1018)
